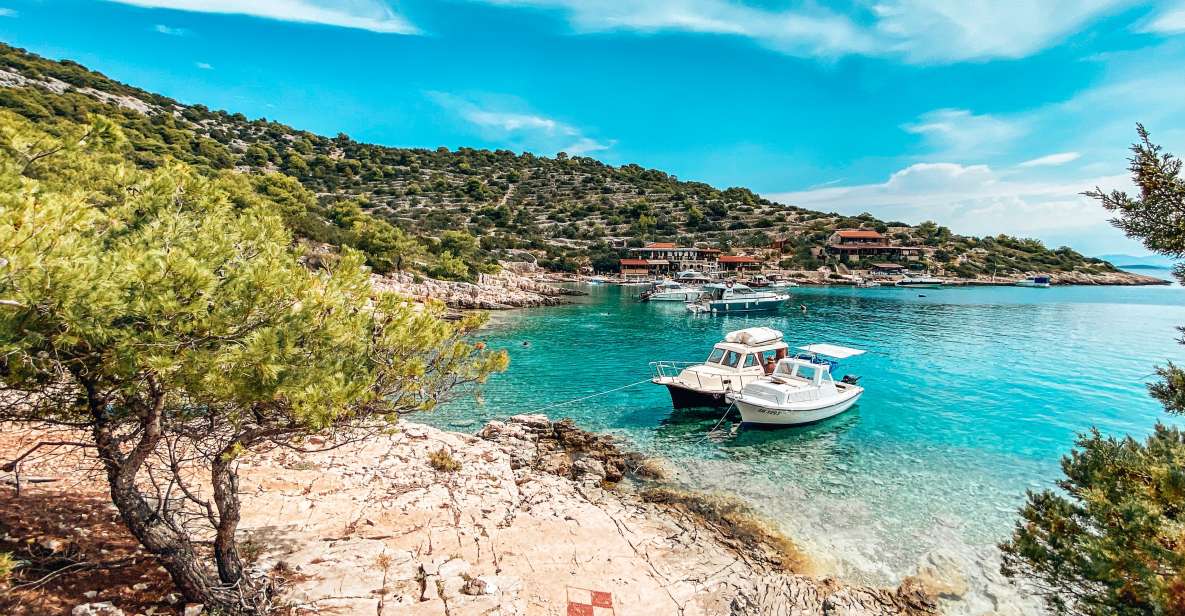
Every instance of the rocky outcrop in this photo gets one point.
(535, 516)
(1107, 278)
(491, 292)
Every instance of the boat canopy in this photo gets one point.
(831, 350)
(754, 336)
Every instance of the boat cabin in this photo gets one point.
(691, 277)
(803, 369)
(733, 363)
(716, 292)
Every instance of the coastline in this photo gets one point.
(535, 516)
(814, 279)
(510, 289)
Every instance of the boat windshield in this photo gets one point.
(716, 355)
(813, 373)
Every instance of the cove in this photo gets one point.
(973, 395)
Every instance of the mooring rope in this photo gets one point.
(711, 434)
(600, 393)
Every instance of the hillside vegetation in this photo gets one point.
(454, 213)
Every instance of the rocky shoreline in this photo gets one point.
(527, 517)
(502, 291)
(530, 517)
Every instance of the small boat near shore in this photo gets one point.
(669, 291)
(686, 287)
(733, 297)
(733, 363)
(800, 390)
(923, 281)
(1038, 282)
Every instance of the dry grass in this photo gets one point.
(736, 521)
(443, 461)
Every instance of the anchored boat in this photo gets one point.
(800, 391)
(924, 281)
(732, 364)
(1040, 282)
(733, 297)
(684, 288)
(669, 291)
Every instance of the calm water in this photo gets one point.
(972, 394)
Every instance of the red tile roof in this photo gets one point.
(660, 245)
(737, 259)
(633, 262)
(864, 234)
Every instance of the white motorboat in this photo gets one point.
(864, 283)
(732, 297)
(923, 281)
(800, 391)
(732, 364)
(1040, 282)
(670, 291)
(692, 278)
(598, 280)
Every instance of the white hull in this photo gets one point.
(674, 296)
(1033, 285)
(754, 411)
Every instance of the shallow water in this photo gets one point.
(972, 395)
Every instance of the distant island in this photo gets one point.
(461, 214)
(1125, 261)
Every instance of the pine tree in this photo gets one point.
(160, 312)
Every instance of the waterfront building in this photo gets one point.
(856, 244)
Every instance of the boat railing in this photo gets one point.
(674, 369)
(669, 369)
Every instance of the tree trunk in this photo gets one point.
(159, 535)
(226, 498)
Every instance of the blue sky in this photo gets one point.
(988, 116)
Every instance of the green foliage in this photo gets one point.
(123, 272)
(168, 308)
(1111, 544)
(422, 193)
(8, 564)
(1111, 541)
(1157, 215)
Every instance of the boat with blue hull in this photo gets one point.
(735, 297)
(1038, 282)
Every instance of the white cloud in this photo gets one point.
(940, 30)
(1052, 160)
(373, 15)
(921, 31)
(520, 129)
(204, 66)
(958, 133)
(163, 29)
(974, 199)
(1170, 21)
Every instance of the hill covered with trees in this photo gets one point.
(453, 214)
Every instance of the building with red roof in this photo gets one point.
(856, 244)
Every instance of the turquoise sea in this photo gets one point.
(972, 395)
